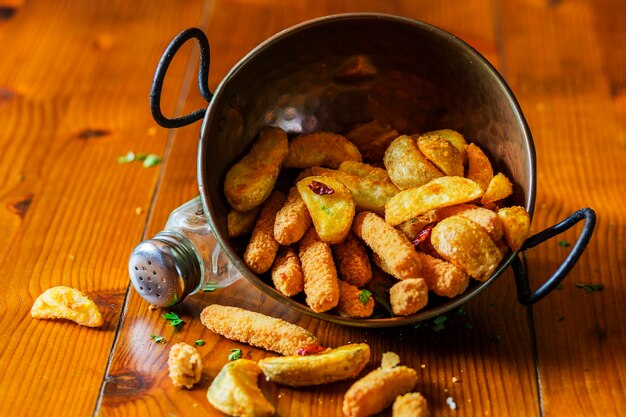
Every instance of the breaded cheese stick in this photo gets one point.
(392, 246)
(412, 404)
(351, 301)
(321, 285)
(408, 296)
(262, 248)
(292, 220)
(287, 272)
(352, 261)
(256, 329)
(442, 277)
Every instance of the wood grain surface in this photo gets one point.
(74, 84)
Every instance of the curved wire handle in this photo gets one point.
(524, 294)
(203, 78)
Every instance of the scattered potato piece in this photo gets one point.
(320, 149)
(235, 392)
(329, 366)
(67, 303)
(412, 404)
(185, 365)
(372, 139)
(241, 222)
(351, 301)
(479, 168)
(287, 272)
(262, 247)
(499, 188)
(352, 261)
(440, 192)
(441, 152)
(407, 166)
(250, 181)
(516, 224)
(389, 360)
(465, 244)
(408, 296)
(292, 220)
(321, 284)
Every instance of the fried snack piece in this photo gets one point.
(466, 245)
(250, 181)
(287, 272)
(321, 285)
(351, 303)
(320, 149)
(368, 171)
(185, 365)
(241, 222)
(67, 303)
(352, 261)
(412, 227)
(516, 224)
(408, 296)
(440, 192)
(330, 205)
(478, 166)
(499, 188)
(262, 247)
(442, 153)
(392, 246)
(235, 392)
(485, 218)
(442, 277)
(368, 194)
(412, 404)
(292, 220)
(329, 366)
(455, 138)
(407, 166)
(377, 390)
(256, 329)
(389, 360)
(372, 139)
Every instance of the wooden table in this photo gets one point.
(74, 82)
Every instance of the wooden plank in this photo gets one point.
(137, 381)
(570, 82)
(75, 99)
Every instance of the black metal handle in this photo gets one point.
(203, 78)
(524, 294)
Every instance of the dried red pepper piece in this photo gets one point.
(320, 188)
(423, 234)
(310, 350)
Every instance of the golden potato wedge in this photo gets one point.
(487, 219)
(367, 171)
(478, 166)
(372, 139)
(440, 192)
(67, 303)
(241, 222)
(370, 195)
(499, 188)
(455, 138)
(235, 392)
(466, 245)
(329, 366)
(407, 166)
(332, 211)
(442, 153)
(516, 225)
(250, 181)
(320, 149)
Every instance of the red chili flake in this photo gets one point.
(321, 188)
(423, 234)
(310, 350)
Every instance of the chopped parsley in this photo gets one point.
(468, 326)
(364, 296)
(234, 354)
(494, 336)
(559, 287)
(417, 325)
(439, 323)
(564, 244)
(157, 339)
(148, 159)
(589, 288)
(173, 319)
(209, 287)
(129, 157)
(460, 312)
(199, 342)
(151, 160)
(381, 296)
(325, 209)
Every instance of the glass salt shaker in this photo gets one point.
(180, 260)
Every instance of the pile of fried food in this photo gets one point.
(427, 210)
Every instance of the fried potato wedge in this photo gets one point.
(478, 166)
(320, 149)
(406, 165)
(372, 139)
(330, 205)
(499, 188)
(331, 365)
(487, 219)
(67, 303)
(440, 192)
(241, 222)
(367, 171)
(368, 194)
(466, 245)
(235, 392)
(455, 138)
(516, 225)
(442, 153)
(251, 180)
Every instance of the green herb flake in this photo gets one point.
(325, 209)
(157, 339)
(364, 296)
(234, 354)
(589, 288)
(440, 319)
(460, 312)
(151, 160)
(209, 287)
(199, 342)
(381, 296)
(564, 244)
(129, 157)
(559, 287)
(468, 326)
(494, 336)
(561, 318)
(141, 156)
(417, 325)
(438, 327)
(173, 319)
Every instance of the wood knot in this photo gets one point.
(7, 12)
(93, 134)
(6, 94)
(119, 387)
(21, 205)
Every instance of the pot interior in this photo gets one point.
(416, 78)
